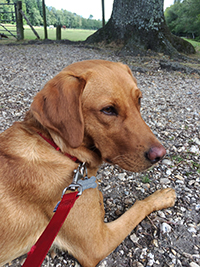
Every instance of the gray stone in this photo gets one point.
(165, 228)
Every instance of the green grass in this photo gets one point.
(69, 34)
(194, 43)
(145, 179)
(197, 54)
(178, 159)
(11, 28)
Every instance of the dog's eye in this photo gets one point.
(110, 110)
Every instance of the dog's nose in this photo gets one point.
(155, 154)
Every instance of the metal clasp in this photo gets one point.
(79, 183)
(78, 175)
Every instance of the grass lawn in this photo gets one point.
(194, 43)
(197, 48)
(69, 34)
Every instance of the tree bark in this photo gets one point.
(139, 25)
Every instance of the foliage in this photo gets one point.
(4, 16)
(70, 20)
(34, 12)
(183, 18)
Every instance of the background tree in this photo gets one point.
(139, 25)
(39, 7)
(183, 18)
(34, 12)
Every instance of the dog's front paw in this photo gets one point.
(162, 199)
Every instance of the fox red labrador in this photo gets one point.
(91, 111)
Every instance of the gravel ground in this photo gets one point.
(171, 107)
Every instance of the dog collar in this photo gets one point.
(52, 143)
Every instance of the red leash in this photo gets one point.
(38, 252)
(80, 183)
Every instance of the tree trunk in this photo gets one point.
(139, 25)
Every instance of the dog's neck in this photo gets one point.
(52, 143)
(84, 153)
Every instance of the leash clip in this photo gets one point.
(78, 175)
(80, 182)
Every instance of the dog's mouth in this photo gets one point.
(108, 160)
(97, 151)
(94, 149)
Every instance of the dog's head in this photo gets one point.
(96, 104)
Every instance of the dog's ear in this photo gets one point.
(126, 67)
(58, 107)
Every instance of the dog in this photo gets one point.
(90, 110)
